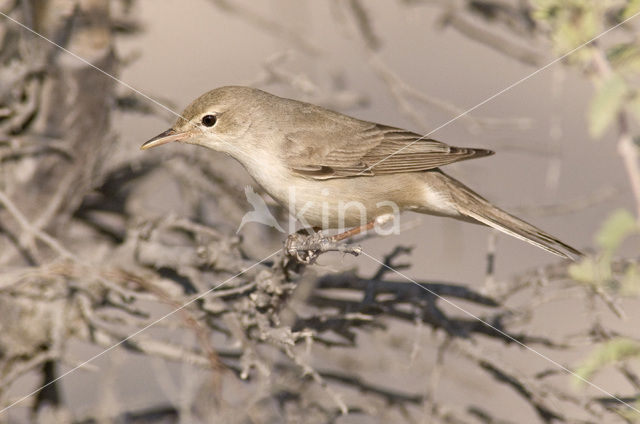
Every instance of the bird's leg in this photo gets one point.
(308, 234)
(306, 248)
(353, 232)
(379, 221)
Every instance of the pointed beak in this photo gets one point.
(164, 138)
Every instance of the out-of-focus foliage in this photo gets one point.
(613, 67)
(597, 270)
(625, 58)
(606, 104)
(572, 23)
(609, 353)
(620, 225)
(617, 351)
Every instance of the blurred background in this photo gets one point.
(99, 241)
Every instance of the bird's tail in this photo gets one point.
(474, 206)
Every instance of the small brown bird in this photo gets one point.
(333, 171)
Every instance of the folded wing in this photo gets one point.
(370, 149)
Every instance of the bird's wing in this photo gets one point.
(368, 149)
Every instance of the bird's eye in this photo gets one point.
(209, 120)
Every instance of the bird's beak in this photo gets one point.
(164, 138)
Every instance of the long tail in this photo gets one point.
(476, 207)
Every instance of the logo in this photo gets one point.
(388, 212)
(260, 213)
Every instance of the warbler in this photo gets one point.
(333, 171)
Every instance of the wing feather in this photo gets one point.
(370, 149)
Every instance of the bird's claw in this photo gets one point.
(307, 248)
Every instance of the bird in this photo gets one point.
(336, 172)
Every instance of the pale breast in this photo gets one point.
(348, 202)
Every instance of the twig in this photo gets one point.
(267, 25)
(629, 153)
(489, 39)
(31, 231)
(626, 148)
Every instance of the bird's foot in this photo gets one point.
(305, 248)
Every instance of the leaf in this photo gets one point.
(546, 10)
(610, 352)
(572, 23)
(630, 281)
(592, 271)
(596, 271)
(632, 8)
(625, 58)
(606, 104)
(618, 226)
(634, 108)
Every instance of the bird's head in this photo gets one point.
(218, 119)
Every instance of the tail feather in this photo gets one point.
(476, 207)
(526, 232)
